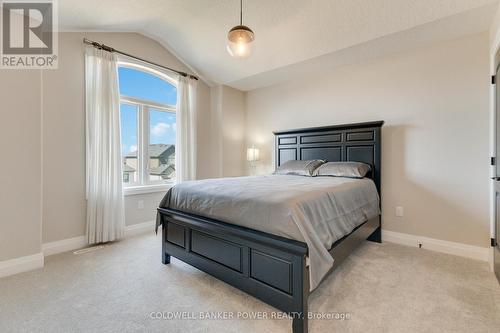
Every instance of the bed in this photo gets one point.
(260, 234)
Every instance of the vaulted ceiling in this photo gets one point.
(292, 36)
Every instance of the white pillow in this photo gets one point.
(343, 169)
(299, 168)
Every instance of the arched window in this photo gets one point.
(148, 101)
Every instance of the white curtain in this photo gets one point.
(105, 207)
(185, 150)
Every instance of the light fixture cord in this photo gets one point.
(241, 12)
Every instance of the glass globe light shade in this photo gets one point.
(239, 41)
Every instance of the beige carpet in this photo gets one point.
(382, 288)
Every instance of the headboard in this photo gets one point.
(359, 142)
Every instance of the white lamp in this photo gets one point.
(252, 157)
(252, 154)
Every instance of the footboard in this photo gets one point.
(268, 267)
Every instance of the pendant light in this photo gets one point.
(240, 38)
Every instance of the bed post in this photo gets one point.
(300, 318)
(376, 236)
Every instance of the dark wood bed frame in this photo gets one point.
(268, 267)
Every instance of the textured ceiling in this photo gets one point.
(291, 35)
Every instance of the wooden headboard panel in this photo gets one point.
(359, 142)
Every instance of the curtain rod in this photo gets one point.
(110, 49)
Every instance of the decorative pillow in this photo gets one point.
(343, 169)
(300, 168)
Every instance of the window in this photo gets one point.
(148, 125)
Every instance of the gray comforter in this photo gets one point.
(314, 210)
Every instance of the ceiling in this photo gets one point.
(292, 36)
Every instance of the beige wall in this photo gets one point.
(228, 128)
(435, 141)
(134, 214)
(495, 31)
(233, 132)
(64, 206)
(20, 166)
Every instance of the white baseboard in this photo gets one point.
(79, 242)
(22, 264)
(139, 228)
(458, 249)
(63, 245)
(491, 259)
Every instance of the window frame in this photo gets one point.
(143, 184)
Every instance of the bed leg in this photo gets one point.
(376, 236)
(165, 259)
(299, 324)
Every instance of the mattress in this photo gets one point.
(314, 210)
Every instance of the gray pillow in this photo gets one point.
(300, 168)
(343, 169)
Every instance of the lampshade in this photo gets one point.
(239, 41)
(252, 154)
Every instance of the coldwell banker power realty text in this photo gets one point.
(29, 34)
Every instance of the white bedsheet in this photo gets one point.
(314, 210)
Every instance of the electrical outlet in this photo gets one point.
(400, 211)
(140, 204)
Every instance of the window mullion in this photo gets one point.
(139, 145)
